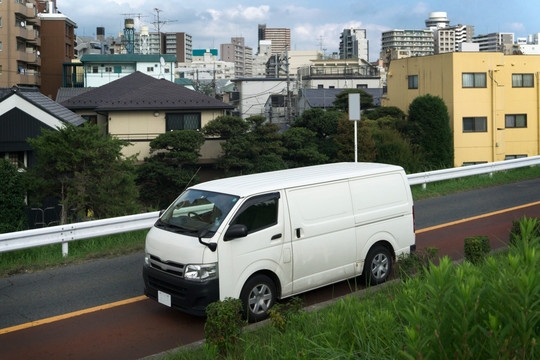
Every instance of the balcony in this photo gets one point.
(26, 9)
(29, 78)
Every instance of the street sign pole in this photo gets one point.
(354, 115)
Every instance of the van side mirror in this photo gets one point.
(235, 231)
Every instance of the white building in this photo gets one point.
(102, 69)
(354, 44)
(205, 66)
(254, 92)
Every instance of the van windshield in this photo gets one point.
(197, 210)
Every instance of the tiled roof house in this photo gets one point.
(138, 108)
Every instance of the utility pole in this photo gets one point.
(157, 24)
(289, 105)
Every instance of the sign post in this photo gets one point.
(354, 115)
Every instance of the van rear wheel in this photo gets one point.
(258, 296)
(378, 265)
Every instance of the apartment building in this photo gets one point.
(239, 54)
(57, 47)
(448, 39)
(413, 42)
(20, 44)
(493, 100)
(353, 44)
(280, 37)
(494, 41)
(179, 44)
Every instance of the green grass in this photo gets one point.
(50, 256)
(44, 257)
(447, 187)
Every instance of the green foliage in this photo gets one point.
(342, 100)
(344, 142)
(531, 225)
(259, 148)
(476, 249)
(321, 122)
(430, 129)
(12, 195)
(226, 127)
(170, 168)
(416, 263)
(384, 111)
(224, 324)
(86, 171)
(302, 150)
(282, 314)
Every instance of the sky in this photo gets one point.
(314, 24)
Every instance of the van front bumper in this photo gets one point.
(191, 297)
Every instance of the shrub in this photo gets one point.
(414, 263)
(282, 313)
(476, 248)
(516, 231)
(224, 324)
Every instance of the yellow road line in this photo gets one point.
(72, 314)
(476, 217)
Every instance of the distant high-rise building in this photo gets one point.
(412, 42)
(173, 43)
(239, 54)
(494, 41)
(20, 61)
(354, 44)
(437, 20)
(448, 39)
(280, 37)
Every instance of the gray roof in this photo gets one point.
(43, 102)
(139, 91)
(64, 94)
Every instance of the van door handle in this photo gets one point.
(298, 233)
(277, 236)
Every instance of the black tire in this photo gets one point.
(378, 265)
(258, 296)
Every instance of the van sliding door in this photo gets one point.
(323, 234)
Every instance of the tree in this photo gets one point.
(342, 100)
(384, 111)
(170, 168)
(430, 130)
(324, 124)
(86, 171)
(250, 148)
(301, 148)
(12, 195)
(344, 140)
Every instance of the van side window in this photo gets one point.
(258, 212)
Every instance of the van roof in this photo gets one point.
(281, 179)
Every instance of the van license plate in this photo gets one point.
(164, 298)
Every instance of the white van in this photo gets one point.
(272, 235)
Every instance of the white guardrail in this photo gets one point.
(84, 230)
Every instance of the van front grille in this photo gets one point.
(170, 267)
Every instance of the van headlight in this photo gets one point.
(200, 272)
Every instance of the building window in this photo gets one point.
(475, 124)
(474, 80)
(0, 69)
(510, 157)
(108, 69)
(522, 80)
(118, 69)
(17, 159)
(0, 46)
(150, 69)
(515, 121)
(0, 18)
(320, 86)
(95, 69)
(361, 86)
(183, 121)
(413, 81)
(91, 119)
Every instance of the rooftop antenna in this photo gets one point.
(157, 23)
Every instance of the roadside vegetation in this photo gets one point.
(488, 308)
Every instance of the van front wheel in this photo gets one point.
(378, 265)
(258, 296)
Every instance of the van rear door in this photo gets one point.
(323, 235)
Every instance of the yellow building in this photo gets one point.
(493, 100)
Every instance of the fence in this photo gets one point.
(84, 230)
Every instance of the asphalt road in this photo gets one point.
(30, 297)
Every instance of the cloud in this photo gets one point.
(250, 13)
